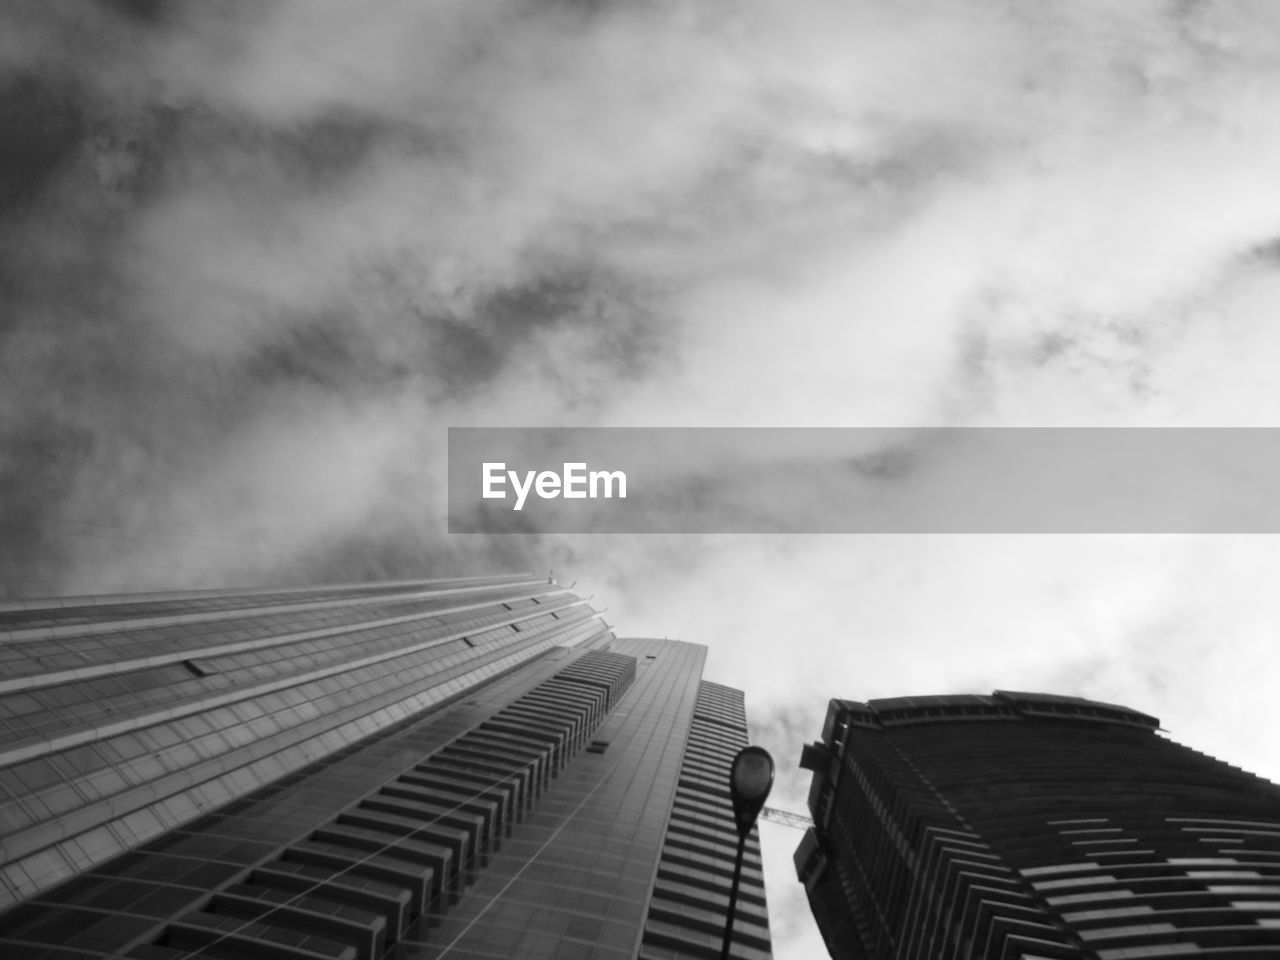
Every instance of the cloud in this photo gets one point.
(657, 214)
(265, 258)
(255, 259)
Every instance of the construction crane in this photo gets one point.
(786, 818)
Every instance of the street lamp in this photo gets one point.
(750, 779)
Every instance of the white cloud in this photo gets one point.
(909, 213)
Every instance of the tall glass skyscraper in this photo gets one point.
(463, 769)
(1026, 826)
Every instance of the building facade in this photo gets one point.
(1027, 826)
(464, 769)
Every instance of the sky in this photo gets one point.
(255, 259)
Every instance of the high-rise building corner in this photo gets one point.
(1028, 826)
(466, 769)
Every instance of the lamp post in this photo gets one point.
(750, 779)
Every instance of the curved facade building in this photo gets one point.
(465, 768)
(1027, 826)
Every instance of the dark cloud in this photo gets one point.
(149, 12)
(148, 377)
(44, 123)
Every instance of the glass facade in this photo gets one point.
(463, 768)
(691, 893)
(1033, 827)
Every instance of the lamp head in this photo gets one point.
(750, 779)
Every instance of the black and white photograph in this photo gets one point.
(639, 480)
